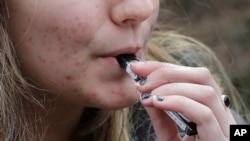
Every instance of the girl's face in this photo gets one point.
(69, 46)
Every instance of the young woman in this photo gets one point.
(60, 80)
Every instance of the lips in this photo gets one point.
(128, 50)
(110, 56)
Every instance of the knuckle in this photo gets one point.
(209, 95)
(208, 115)
(205, 72)
(210, 91)
(163, 70)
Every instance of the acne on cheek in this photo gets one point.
(53, 63)
(74, 30)
(78, 29)
(41, 59)
(53, 42)
(68, 78)
(63, 41)
(63, 57)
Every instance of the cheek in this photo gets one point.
(71, 34)
(76, 23)
(56, 53)
(53, 61)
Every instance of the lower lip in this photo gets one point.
(111, 61)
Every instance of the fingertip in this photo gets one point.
(138, 63)
(158, 98)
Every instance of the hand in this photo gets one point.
(190, 91)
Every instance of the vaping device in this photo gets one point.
(183, 123)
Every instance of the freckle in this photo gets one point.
(96, 6)
(73, 30)
(59, 38)
(30, 38)
(79, 24)
(54, 29)
(44, 36)
(52, 62)
(41, 59)
(61, 49)
(66, 56)
(77, 64)
(75, 52)
(76, 18)
(68, 78)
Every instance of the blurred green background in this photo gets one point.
(223, 25)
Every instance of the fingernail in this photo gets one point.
(160, 98)
(138, 63)
(143, 81)
(145, 95)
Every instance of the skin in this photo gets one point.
(68, 47)
(190, 91)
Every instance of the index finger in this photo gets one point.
(138, 67)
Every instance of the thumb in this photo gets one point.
(144, 68)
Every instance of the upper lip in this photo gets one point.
(127, 50)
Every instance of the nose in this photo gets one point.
(130, 12)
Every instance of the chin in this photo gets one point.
(112, 97)
(119, 104)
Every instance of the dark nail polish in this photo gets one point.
(143, 81)
(160, 98)
(145, 95)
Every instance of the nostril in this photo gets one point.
(129, 21)
(126, 21)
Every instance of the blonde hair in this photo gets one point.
(16, 97)
(17, 122)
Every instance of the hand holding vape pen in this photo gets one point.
(185, 124)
